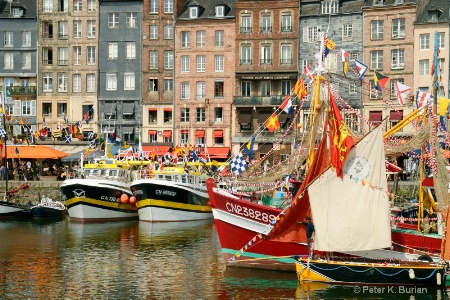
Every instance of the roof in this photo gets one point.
(28, 6)
(313, 8)
(423, 16)
(207, 9)
(373, 3)
(33, 152)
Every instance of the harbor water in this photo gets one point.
(140, 260)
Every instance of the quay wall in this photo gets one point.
(46, 186)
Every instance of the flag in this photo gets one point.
(214, 165)
(299, 89)
(379, 80)
(307, 71)
(401, 92)
(286, 105)
(345, 68)
(329, 45)
(27, 141)
(79, 125)
(86, 117)
(74, 129)
(126, 146)
(249, 149)
(273, 123)
(238, 164)
(2, 132)
(340, 137)
(443, 108)
(65, 119)
(67, 139)
(21, 121)
(59, 126)
(361, 68)
(118, 140)
(434, 66)
(69, 130)
(17, 150)
(345, 56)
(422, 98)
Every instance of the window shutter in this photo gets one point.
(17, 108)
(33, 107)
(305, 34)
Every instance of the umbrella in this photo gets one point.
(33, 152)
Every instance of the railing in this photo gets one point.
(286, 61)
(258, 100)
(267, 61)
(286, 28)
(246, 61)
(22, 90)
(63, 36)
(47, 62)
(47, 36)
(246, 29)
(265, 29)
(62, 62)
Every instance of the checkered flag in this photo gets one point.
(90, 135)
(238, 164)
(2, 132)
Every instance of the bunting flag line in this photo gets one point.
(238, 164)
(361, 68)
(379, 80)
(273, 123)
(286, 105)
(443, 108)
(307, 71)
(249, 149)
(422, 98)
(401, 92)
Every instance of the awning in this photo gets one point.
(33, 152)
(245, 117)
(375, 116)
(69, 148)
(167, 108)
(128, 108)
(152, 132)
(152, 109)
(263, 116)
(184, 131)
(127, 129)
(264, 148)
(158, 150)
(218, 133)
(396, 115)
(199, 133)
(109, 108)
(167, 133)
(215, 152)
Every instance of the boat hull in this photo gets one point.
(168, 201)
(369, 273)
(93, 200)
(47, 212)
(10, 211)
(409, 240)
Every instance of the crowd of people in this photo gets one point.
(28, 170)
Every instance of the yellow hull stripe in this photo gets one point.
(307, 274)
(374, 265)
(174, 205)
(116, 205)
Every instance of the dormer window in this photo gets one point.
(378, 2)
(330, 7)
(399, 1)
(17, 12)
(193, 12)
(220, 11)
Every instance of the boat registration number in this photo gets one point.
(110, 199)
(249, 212)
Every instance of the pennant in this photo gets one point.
(379, 81)
(401, 92)
(443, 108)
(126, 146)
(273, 123)
(340, 137)
(17, 150)
(345, 68)
(286, 105)
(345, 55)
(299, 89)
(238, 164)
(422, 98)
(307, 71)
(249, 149)
(361, 68)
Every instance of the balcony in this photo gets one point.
(245, 62)
(286, 28)
(265, 61)
(265, 29)
(258, 100)
(22, 90)
(63, 62)
(286, 61)
(47, 62)
(63, 36)
(246, 29)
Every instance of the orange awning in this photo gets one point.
(158, 150)
(199, 133)
(375, 116)
(152, 132)
(215, 152)
(218, 133)
(396, 116)
(152, 109)
(33, 152)
(184, 131)
(168, 109)
(167, 133)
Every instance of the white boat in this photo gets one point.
(48, 208)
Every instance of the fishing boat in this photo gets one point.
(48, 208)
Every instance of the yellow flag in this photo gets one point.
(443, 106)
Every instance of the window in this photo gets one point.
(265, 88)
(153, 32)
(201, 38)
(351, 120)
(168, 85)
(47, 55)
(168, 31)
(185, 90)
(220, 11)
(76, 55)
(90, 83)
(392, 83)
(153, 59)
(286, 22)
(219, 61)
(111, 81)
(113, 20)
(46, 109)
(131, 20)
(373, 93)
(266, 54)
(184, 113)
(218, 137)
(152, 137)
(77, 29)
(76, 83)
(48, 5)
(128, 81)
(28, 107)
(424, 67)
(311, 34)
(377, 29)
(87, 109)
(154, 6)
(47, 29)
(218, 114)
(63, 56)
(91, 6)
(63, 5)
(266, 23)
(168, 59)
(424, 41)
(152, 116)
(398, 28)
(77, 5)
(347, 32)
(398, 59)
(185, 63)
(168, 6)
(91, 55)
(62, 109)
(245, 88)
(26, 39)
(62, 82)
(200, 90)
(8, 60)
(92, 29)
(26, 60)
(193, 12)
(286, 55)
(219, 36)
(201, 63)
(17, 12)
(185, 39)
(218, 89)
(63, 30)
(376, 59)
(153, 85)
(285, 87)
(167, 116)
(353, 55)
(201, 114)
(113, 49)
(441, 40)
(246, 54)
(246, 23)
(47, 82)
(330, 7)
(9, 39)
(353, 88)
(131, 50)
